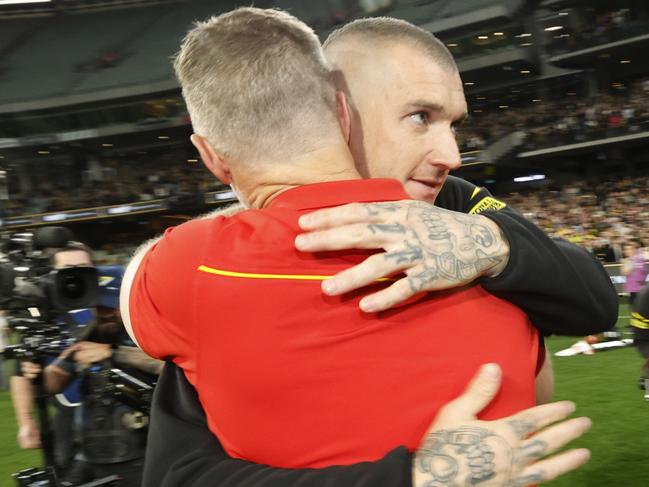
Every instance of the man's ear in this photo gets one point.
(213, 161)
(343, 115)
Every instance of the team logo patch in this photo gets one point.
(105, 280)
(487, 203)
(639, 321)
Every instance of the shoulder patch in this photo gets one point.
(639, 321)
(487, 203)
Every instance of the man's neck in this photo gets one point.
(273, 178)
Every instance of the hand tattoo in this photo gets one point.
(448, 248)
(531, 451)
(442, 450)
(535, 478)
(387, 227)
(376, 209)
(409, 256)
(522, 427)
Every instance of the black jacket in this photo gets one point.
(563, 289)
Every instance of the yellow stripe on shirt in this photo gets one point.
(249, 275)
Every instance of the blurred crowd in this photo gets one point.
(549, 123)
(597, 27)
(601, 217)
(142, 177)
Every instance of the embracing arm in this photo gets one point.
(469, 236)
(561, 286)
(181, 451)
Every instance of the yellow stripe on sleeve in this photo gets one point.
(639, 321)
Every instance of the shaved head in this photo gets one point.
(379, 33)
(405, 98)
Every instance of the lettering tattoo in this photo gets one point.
(455, 247)
(447, 248)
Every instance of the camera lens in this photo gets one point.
(73, 287)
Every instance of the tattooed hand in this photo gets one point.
(460, 450)
(435, 248)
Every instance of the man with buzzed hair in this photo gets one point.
(406, 100)
(216, 161)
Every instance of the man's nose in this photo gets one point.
(446, 152)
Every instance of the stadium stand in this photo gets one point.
(117, 76)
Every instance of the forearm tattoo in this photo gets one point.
(451, 247)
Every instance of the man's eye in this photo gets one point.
(419, 117)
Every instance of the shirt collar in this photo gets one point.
(335, 193)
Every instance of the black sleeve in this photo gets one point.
(182, 452)
(563, 288)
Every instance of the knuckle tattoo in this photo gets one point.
(532, 450)
(533, 478)
(522, 426)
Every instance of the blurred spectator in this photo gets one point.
(634, 267)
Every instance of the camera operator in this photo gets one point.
(71, 254)
(112, 434)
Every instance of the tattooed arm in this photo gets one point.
(435, 248)
(562, 288)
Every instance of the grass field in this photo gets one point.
(603, 385)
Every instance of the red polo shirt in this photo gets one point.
(293, 378)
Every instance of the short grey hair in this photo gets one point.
(256, 84)
(388, 30)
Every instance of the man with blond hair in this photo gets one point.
(484, 250)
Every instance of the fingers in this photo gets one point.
(30, 369)
(353, 236)
(551, 468)
(29, 437)
(481, 390)
(367, 272)
(533, 419)
(553, 438)
(347, 214)
(418, 280)
(389, 297)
